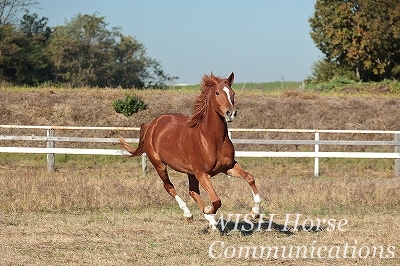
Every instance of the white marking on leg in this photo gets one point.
(257, 198)
(226, 90)
(183, 206)
(211, 220)
(257, 201)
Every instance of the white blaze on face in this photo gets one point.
(226, 90)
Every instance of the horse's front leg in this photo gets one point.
(209, 211)
(238, 171)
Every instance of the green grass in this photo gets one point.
(260, 87)
(267, 87)
(343, 85)
(72, 161)
(338, 85)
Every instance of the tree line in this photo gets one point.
(83, 52)
(359, 38)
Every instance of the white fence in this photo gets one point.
(316, 142)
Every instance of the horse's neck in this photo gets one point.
(214, 128)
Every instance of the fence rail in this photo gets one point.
(50, 139)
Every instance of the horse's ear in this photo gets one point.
(208, 81)
(231, 78)
(212, 75)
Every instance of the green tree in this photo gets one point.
(81, 51)
(131, 63)
(23, 59)
(156, 77)
(359, 35)
(32, 26)
(85, 52)
(133, 68)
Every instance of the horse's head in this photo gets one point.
(222, 97)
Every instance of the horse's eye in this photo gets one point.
(217, 93)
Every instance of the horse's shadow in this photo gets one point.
(246, 228)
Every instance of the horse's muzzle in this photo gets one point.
(230, 115)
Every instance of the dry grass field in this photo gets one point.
(100, 210)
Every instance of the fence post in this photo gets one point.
(397, 161)
(144, 163)
(316, 160)
(51, 165)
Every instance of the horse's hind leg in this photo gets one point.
(161, 169)
(238, 171)
(194, 191)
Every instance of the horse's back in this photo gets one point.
(166, 123)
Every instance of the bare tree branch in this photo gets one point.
(9, 10)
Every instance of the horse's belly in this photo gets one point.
(222, 165)
(217, 161)
(177, 159)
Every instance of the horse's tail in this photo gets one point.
(140, 148)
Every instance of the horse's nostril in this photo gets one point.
(231, 113)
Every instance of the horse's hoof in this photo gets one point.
(189, 219)
(213, 228)
(255, 215)
(208, 209)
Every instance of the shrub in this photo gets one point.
(130, 105)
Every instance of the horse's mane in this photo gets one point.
(200, 106)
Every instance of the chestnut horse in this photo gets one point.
(198, 146)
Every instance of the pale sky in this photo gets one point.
(259, 40)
